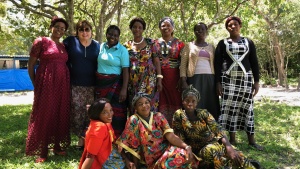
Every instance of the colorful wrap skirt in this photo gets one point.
(109, 86)
(170, 96)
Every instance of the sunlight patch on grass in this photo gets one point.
(276, 126)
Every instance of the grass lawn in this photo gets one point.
(277, 129)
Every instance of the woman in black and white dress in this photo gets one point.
(237, 81)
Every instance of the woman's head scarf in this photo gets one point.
(139, 95)
(190, 91)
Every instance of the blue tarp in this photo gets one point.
(15, 80)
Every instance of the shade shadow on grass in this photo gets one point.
(13, 132)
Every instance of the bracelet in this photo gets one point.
(160, 76)
(187, 147)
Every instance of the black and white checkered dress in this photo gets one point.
(237, 101)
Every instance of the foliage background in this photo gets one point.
(271, 24)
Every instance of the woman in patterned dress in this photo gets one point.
(150, 140)
(237, 81)
(144, 65)
(169, 49)
(198, 128)
(197, 68)
(49, 122)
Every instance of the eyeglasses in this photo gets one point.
(84, 29)
(59, 28)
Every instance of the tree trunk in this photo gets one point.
(70, 17)
(278, 58)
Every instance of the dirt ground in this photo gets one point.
(277, 94)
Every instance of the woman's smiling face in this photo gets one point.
(112, 37)
(166, 28)
(142, 106)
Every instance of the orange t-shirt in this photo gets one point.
(98, 141)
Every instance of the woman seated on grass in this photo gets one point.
(198, 128)
(150, 140)
(100, 150)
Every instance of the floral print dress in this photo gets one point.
(146, 142)
(142, 72)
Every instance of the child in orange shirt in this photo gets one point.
(100, 150)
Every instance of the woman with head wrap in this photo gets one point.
(198, 128)
(150, 140)
(169, 49)
(237, 81)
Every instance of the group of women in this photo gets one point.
(150, 80)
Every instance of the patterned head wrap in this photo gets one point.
(138, 96)
(232, 18)
(166, 19)
(190, 91)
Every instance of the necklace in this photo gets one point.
(137, 43)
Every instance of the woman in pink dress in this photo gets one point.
(49, 120)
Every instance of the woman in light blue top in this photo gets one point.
(112, 77)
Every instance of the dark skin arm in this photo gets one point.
(176, 141)
(31, 63)
(129, 164)
(158, 72)
(231, 153)
(87, 164)
(184, 84)
(219, 89)
(255, 88)
(123, 93)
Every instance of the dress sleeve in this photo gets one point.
(218, 61)
(180, 48)
(99, 132)
(212, 57)
(129, 139)
(213, 125)
(66, 42)
(163, 123)
(124, 57)
(36, 48)
(154, 49)
(253, 61)
(184, 60)
(177, 125)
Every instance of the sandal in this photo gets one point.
(257, 147)
(255, 164)
(60, 152)
(40, 160)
